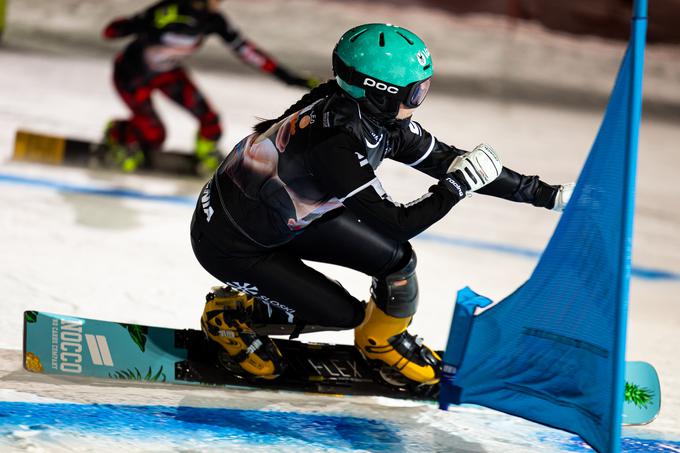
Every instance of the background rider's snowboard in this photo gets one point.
(49, 149)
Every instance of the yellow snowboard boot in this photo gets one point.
(383, 337)
(128, 157)
(226, 320)
(208, 155)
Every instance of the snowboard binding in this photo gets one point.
(234, 368)
(393, 378)
(227, 322)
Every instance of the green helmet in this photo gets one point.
(384, 65)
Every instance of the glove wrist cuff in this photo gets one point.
(545, 195)
(454, 185)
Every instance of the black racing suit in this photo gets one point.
(306, 190)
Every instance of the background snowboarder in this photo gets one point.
(164, 35)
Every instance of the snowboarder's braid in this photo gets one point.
(321, 91)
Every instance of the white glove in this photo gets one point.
(563, 196)
(478, 167)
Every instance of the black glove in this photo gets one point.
(293, 80)
(455, 184)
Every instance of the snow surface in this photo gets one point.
(129, 259)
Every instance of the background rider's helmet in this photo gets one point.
(383, 66)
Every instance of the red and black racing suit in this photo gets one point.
(165, 34)
(306, 190)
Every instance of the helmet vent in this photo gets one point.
(407, 40)
(426, 67)
(382, 40)
(354, 38)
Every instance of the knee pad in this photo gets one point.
(396, 294)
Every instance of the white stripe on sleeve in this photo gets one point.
(427, 153)
(359, 189)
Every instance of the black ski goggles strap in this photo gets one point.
(412, 95)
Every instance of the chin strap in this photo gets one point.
(382, 112)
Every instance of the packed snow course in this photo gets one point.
(110, 246)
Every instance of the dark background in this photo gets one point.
(606, 18)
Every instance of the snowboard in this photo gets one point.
(49, 149)
(71, 346)
(642, 395)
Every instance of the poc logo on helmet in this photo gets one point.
(381, 86)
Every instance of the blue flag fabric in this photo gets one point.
(548, 352)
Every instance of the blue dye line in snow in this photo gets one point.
(628, 444)
(182, 427)
(639, 272)
(194, 427)
(113, 193)
(643, 273)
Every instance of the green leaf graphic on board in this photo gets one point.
(31, 316)
(639, 396)
(135, 375)
(138, 334)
